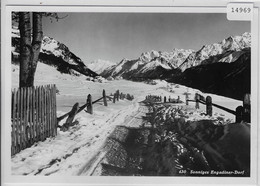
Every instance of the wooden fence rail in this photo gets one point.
(33, 116)
(242, 113)
(89, 107)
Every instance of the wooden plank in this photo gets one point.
(53, 90)
(47, 111)
(27, 123)
(41, 113)
(44, 114)
(30, 115)
(33, 115)
(46, 107)
(13, 136)
(55, 111)
(22, 118)
(72, 114)
(80, 109)
(25, 117)
(16, 121)
(52, 111)
(110, 98)
(97, 100)
(48, 98)
(18, 129)
(37, 113)
(224, 108)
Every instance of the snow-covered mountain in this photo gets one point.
(54, 53)
(148, 64)
(99, 65)
(155, 64)
(227, 79)
(227, 50)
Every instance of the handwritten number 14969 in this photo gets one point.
(241, 10)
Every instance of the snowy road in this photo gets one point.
(134, 120)
(76, 151)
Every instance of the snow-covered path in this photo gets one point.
(133, 120)
(72, 151)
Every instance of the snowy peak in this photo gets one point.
(237, 43)
(212, 53)
(146, 63)
(148, 56)
(53, 53)
(99, 65)
(52, 47)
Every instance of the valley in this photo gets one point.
(140, 137)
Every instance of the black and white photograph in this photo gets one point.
(130, 94)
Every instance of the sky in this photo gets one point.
(114, 36)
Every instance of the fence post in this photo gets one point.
(209, 105)
(197, 101)
(117, 95)
(89, 104)
(187, 98)
(104, 97)
(246, 108)
(114, 98)
(71, 116)
(239, 114)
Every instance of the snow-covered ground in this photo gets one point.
(70, 151)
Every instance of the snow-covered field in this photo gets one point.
(70, 151)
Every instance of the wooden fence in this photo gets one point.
(34, 116)
(89, 107)
(242, 113)
(155, 98)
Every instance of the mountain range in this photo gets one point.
(222, 68)
(155, 63)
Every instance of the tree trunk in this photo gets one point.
(25, 47)
(30, 50)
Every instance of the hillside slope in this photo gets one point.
(54, 53)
